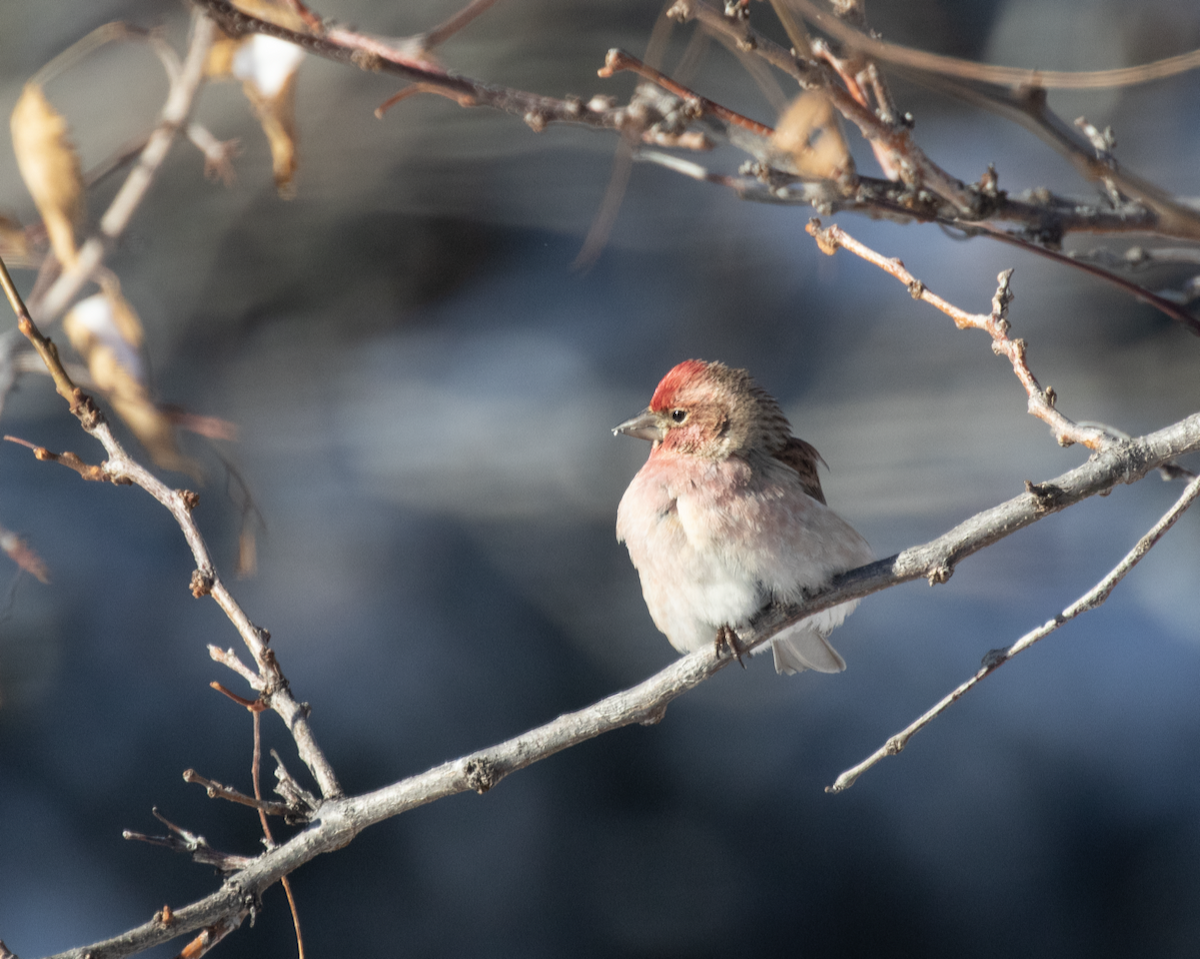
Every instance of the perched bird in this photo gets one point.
(728, 515)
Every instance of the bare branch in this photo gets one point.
(915, 168)
(1156, 300)
(1009, 76)
(1090, 600)
(121, 468)
(995, 324)
(340, 819)
(190, 844)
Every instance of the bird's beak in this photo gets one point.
(647, 425)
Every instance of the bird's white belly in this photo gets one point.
(691, 586)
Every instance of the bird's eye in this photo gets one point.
(679, 415)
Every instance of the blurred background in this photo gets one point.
(424, 389)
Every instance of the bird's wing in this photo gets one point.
(803, 458)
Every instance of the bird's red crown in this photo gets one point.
(668, 390)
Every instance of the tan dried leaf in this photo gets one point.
(267, 68)
(277, 115)
(810, 135)
(116, 368)
(50, 168)
(128, 324)
(219, 65)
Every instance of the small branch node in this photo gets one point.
(916, 289)
(482, 774)
(827, 240)
(652, 717)
(940, 574)
(1004, 295)
(1046, 497)
(995, 657)
(201, 583)
(189, 499)
(681, 11)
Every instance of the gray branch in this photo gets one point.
(339, 820)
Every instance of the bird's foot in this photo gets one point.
(727, 641)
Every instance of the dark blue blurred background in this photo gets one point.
(424, 389)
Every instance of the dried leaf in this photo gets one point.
(50, 168)
(126, 321)
(219, 65)
(267, 68)
(23, 555)
(115, 364)
(810, 135)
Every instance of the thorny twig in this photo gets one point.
(923, 191)
(1161, 303)
(1009, 76)
(928, 186)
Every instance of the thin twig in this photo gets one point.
(172, 119)
(120, 467)
(227, 657)
(218, 790)
(916, 169)
(995, 324)
(447, 28)
(190, 844)
(1009, 76)
(618, 60)
(212, 936)
(1090, 600)
(1163, 305)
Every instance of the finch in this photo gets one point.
(727, 516)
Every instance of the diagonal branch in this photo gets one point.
(122, 468)
(339, 820)
(1090, 600)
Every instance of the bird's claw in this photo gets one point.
(727, 641)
